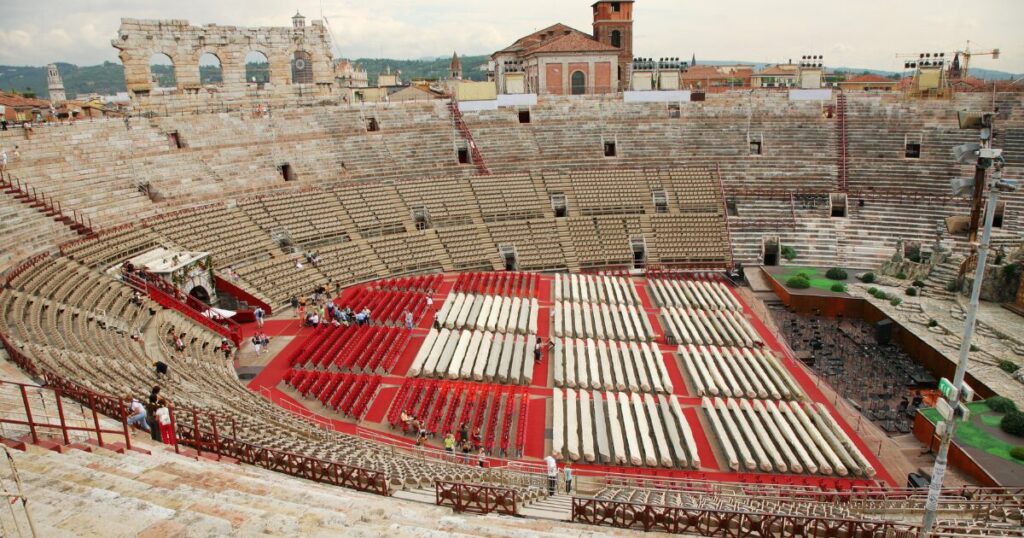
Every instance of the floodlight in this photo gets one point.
(1007, 185)
(974, 120)
(966, 153)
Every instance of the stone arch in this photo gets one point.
(302, 67)
(211, 69)
(257, 67)
(162, 71)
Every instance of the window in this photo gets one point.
(579, 83)
(287, 173)
(616, 7)
(838, 202)
(616, 38)
(609, 149)
(673, 111)
(372, 125)
(302, 67)
(912, 150)
(731, 209)
(524, 116)
(463, 155)
(755, 147)
(997, 219)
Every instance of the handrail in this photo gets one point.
(476, 498)
(46, 204)
(725, 211)
(17, 495)
(166, 296)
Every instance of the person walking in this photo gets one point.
(567, 471)
(151, 420)
(258, 314)
(552, 472)
(163, 418)
(408, 320)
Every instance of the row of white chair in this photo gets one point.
(708, 327)
(480, 356)
(489, 313)
(613, 290)
(737, 372)
(622, 429)
(781, 437)
(702, 294)
(601, 321)
(609, 365)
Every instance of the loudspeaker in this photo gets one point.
(883, 331)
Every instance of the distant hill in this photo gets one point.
(108, 77)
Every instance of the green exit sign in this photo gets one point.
(949, 391)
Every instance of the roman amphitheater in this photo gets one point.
(603, 277)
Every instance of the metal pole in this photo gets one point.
(939, 470)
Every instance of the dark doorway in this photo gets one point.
(913, 150)
(175, 139)
(755, 147)
(200, 294)
(463, 155)
(609, 149)
(287, 173)
(372, 125)
(771, 252)
(524, 116)
(579, 83)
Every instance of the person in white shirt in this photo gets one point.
(552, 472)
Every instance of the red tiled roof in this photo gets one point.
(557, 38)
(776, 71)
(17, 101)
(870, 78)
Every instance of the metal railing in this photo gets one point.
(14, 497)
(476, 498)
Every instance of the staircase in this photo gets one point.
(843, 165)
(557, 507)
(45, 204)
(460, 125)
(941, 276)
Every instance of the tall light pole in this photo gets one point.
(986, 158)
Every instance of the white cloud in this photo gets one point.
(866, 33)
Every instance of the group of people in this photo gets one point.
(465, 443)
(261, 342)
(551, 461)
(154, 416)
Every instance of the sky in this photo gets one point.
(848, 33)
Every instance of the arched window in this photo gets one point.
(616, 38)
(161, 72)
(210, 71)
(302, 68)
(579, 83)
(257, 67)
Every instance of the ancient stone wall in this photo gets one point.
(299, 58)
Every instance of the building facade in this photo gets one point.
(560, 60)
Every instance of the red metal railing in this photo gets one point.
(841, 141)
(476, 498)
(232, 289)
(725, 210)
(166, 295)
(467, 135)
(24, 266)
(45, 203)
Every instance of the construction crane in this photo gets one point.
(967, 53)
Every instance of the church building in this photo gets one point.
(561, 60)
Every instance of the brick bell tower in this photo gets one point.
(613, 25)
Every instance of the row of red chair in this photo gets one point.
(387, 307)
(512, 284)
(441, 406)
(366, 348)
(349, 394)
(421, 283)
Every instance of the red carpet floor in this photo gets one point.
(540, 392)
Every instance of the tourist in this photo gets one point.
(552, 472)
(151, 421)
(161, 369)
(258, 314)
(295, 303)
(537, 351)
(17, 153)
(3, 160)
(225, 347)
(163, 419)
(463, 433)
(137, 414)
(430, 303)
(465, 451)
(481, 458)
(477, 440)
(449, 443)
(408, 320)
(257, 342)
(360, 318)
(437, 323)
(568, 478)
(265, 342)
(179, 343)
(298, 264)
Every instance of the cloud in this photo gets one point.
(867, 33)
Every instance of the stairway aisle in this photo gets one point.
(557, 507)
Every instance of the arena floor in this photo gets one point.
(538, 393)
